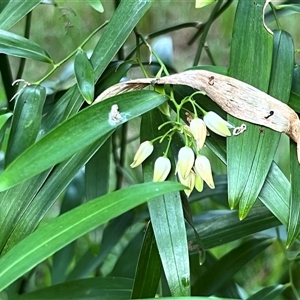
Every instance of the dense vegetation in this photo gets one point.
(149, 189)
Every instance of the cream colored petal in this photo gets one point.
(186, 159)
(203, 169)
(218, 125)
(144, 150)
(162, 168)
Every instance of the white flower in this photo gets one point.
(189, 181)
(186, 158)
(198, 183)
(162, 168)
(144, 150)
(203, 169)
(218, 125)
(199, 132)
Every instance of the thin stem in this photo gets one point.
(196, 36)
(294, 289)
(121, 53)
(164, 31)
(123, 142)
(209, 54)
(7, 79)
(275, 15)
(116, 158)
(168, 147)
(56, 66)
(205, 31)
(26, 35)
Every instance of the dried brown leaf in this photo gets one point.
(235, 97)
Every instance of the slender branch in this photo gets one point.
(7, 79)
(56, 66)
(122, 156)
(196, 36)
(165, 31)
(26, 35)
(205, 31)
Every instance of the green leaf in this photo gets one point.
(224, 226)
(30, 201)
(114, 36)
(64, 229)
(123, 21)
(14, 11)
(149, 268)
(76, 133)
(15, 45)
(167, 218)
(294, 207)
(85, 289)
(249, 156)
(62, 259)
(292, 7)
(270, 292)
(4, 118)
(224, 269)
(294, 102)
(26, 121)
(202, 3)
(84, 74)
(97, 5)
(97, 178)
(112, 234)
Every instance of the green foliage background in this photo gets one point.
(75, 221)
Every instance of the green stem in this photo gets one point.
(275, 15)
(294, 289)
(124, 131)
(7, 79)
(56, 66)
(26, 35)
(205, 31)
(168, 147)
(196, 36)
(165, 31)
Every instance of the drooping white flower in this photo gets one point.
(189, 181)
(186, 158)
(199, 132)
(218, 125)
(203, 169)
(144, 150)
(162, 168)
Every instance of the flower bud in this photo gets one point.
(162, 167)
(189, 181)
(203, 169)
(199, 132)
(145, 149)
(186, 158)
(218, 125)
(198, 183)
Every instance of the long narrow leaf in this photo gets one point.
(14, 11)
(84, 74)
(167, 218)
(117, 31)
(77, 133)
(26, 121)
(250, 155)
(15, 45)
(149, 268)
(60, 231)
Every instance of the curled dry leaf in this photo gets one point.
(235, 97)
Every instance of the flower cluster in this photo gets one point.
(192, 167)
